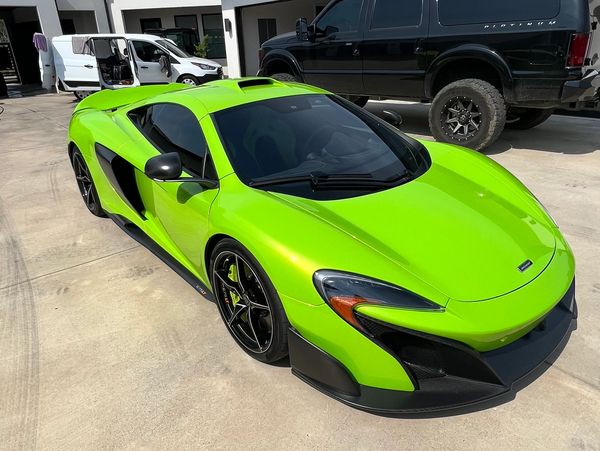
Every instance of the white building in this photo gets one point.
(235, 28)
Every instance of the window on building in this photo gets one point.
(212, 25)
(67, 26)
(462, 12)
(391, 14)
(148, 24)
(174, 128)
(187, 21)
(267, 28)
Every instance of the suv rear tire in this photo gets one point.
(526, 118)
(282, 76)
(469, 112)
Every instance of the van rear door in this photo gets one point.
(77, 70)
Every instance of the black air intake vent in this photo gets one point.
(255, 82)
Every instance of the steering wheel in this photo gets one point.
(317, 141)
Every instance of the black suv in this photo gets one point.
(482, 64)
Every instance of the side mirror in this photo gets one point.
(167, 168)
(392, 118)
(302, 29)
(329, 30)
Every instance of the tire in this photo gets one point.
(230, 252)
(477, 127)
(360, 101)
(285, 77)
(86, 185)
(82, 94)
(188, 79)
(526, 118)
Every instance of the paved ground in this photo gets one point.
(102, 346)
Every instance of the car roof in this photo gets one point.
(147, 37)
(223, 94)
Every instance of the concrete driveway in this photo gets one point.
(102, 346)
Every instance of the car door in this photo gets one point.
(147, 56)
(179, 210)
(114, 66)
(393, 49)
(332, 60)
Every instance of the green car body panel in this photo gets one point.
(455, 236)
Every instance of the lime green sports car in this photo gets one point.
(399, 276)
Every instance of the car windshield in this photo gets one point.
(324, 137)
(173, 48)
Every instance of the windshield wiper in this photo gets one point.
(336, 181)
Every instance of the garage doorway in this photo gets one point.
(18, 56)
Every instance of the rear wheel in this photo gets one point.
(86, 185)
(468, 112)
(526, 118)
(248, 302)
(285, 77)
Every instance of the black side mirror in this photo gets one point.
(329, 30)
(167, 168)
(392, 118)
(302, 29)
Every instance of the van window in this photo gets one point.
(173, 128)
(391, 14)
(462, 12)
(148, 52)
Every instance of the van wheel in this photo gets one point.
(284, 77)
(82, 94)
(188, 80)
(468, 112)
(526, 118)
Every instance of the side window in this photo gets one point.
(173, 128)
(392, 14)
(463, 12)
(147, 52)
(342, 16)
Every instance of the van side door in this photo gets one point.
(147, 55)
(393, 49)
(115, 67)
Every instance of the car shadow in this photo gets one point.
(570, 135)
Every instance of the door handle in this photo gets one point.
(144, 67)
(89, 66)
(419, 50)
(356, 52)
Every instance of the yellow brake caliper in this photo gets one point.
(233, 275)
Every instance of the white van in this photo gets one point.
(87, 63)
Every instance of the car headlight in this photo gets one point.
(344, 292)
(204, 66)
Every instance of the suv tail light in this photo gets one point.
(578, 49)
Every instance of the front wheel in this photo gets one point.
(248, 302)
(526, 118)
(468, 112)
(188, 80)
(82, 94)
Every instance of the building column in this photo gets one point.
(231, 40)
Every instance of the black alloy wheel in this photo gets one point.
(461, 118)
(86, 185)
(248, 303)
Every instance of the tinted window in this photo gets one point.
(391, 13)
(342, 16)
(173, 128)
(304, 135)
(147, 51)
(459, 12)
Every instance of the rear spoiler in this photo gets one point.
(111, 99)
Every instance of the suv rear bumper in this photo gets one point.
(586, 89)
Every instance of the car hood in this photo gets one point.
(463, 229)
(281, 39)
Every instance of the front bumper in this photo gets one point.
(212, 77)
(583, 90)
(446, 374)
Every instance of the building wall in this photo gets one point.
(84, 21)
(285, 13)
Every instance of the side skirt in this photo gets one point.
(138, 235)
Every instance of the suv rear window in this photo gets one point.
(463, 12)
